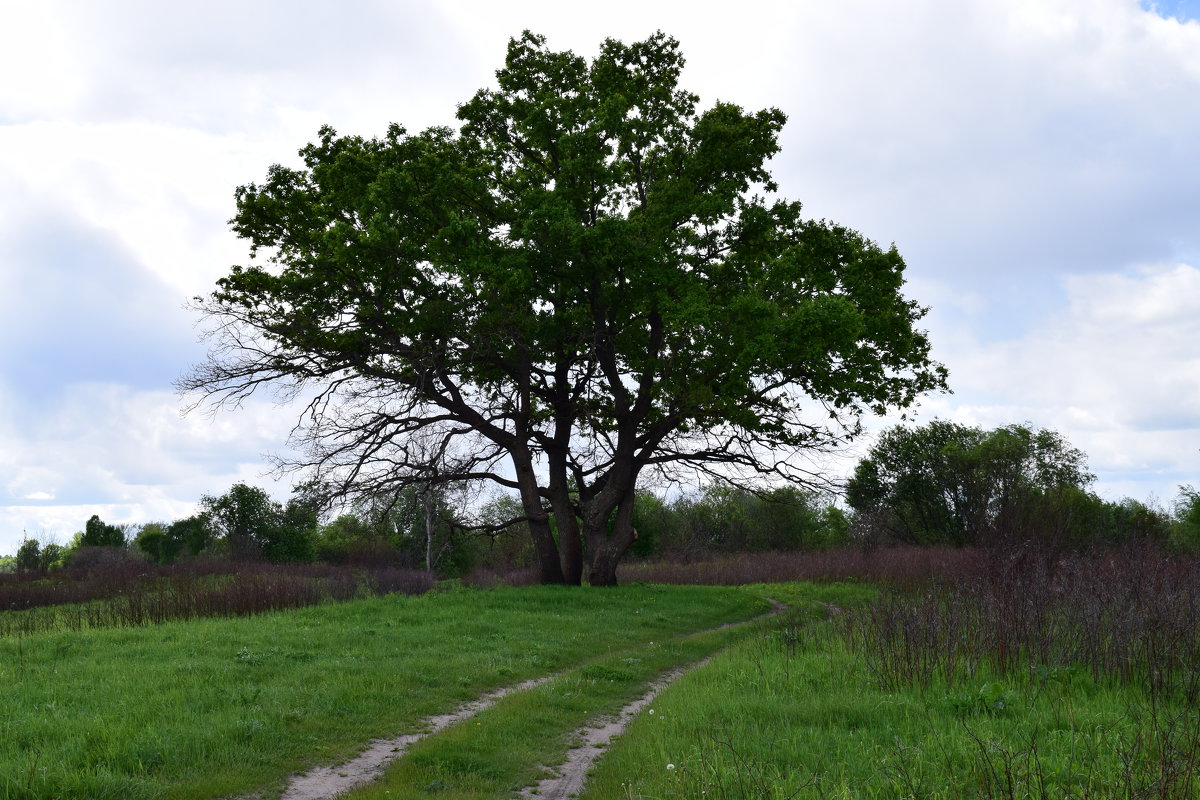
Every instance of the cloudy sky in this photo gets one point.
(1037, 162)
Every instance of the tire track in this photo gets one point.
(568, 778)
(326, 783)
(329, 782)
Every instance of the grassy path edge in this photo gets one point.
(569, 777)
(509, 747)
(328, 782)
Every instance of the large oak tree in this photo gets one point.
(589, 282)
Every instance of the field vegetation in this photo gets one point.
(1042, 676)
(133, 592)
(213, 707)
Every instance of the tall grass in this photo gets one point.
(905, 566)
(1024, 674)
(1129, 615)
(132, 595)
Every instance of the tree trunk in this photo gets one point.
(569, 543)
(607, 549)
(549, 566)
(428, 503)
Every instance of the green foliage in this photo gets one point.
(653, 523)
(97, 533)
(293, 538)
(156, 542)
(1185, 528)
(190, 535)
(252, 525)
(725, 519)
(951, 483)
(29, 556)
(591, 278)
(8, 564)
(394, 528)
(503, 549)
(53, 556)
(346, 539)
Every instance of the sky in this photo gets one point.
(1036, 162)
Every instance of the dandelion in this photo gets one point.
(652, 712)
(670, 766)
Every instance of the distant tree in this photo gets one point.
(190, 535)
(252, 525)
(592, 281)
(1185, 528)
(293, 540)
(951, 483)
(244, 519)
(348, 539)
(53, 556)
(29, 556)
(155, 540)
(653, 523)
(97, 533)
(729, 519)
(499, 551)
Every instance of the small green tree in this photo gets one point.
(348, 539)
(98, 533)
(190, 535)
(293, 540)
(253, 526)
(29, 556)
(156, 542)
(242, 519)
(53, 556)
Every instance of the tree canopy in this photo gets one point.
(592, 281)
(949, 483)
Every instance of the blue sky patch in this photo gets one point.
(1182, 10)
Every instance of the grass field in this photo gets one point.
(1027, 676)
(206, 708)
(1050, 678)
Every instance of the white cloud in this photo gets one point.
(1116, 371)
(129, 456)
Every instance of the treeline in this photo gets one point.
(418, 530)
(939, 484)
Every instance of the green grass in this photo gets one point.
(206, 708)
(502, 749)
(794, 714)
(785, 709)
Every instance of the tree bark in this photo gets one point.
(569, 543)
(549, 565)
(606, 548)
